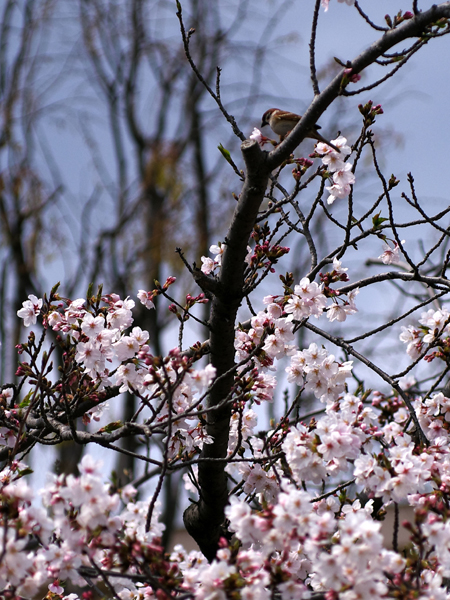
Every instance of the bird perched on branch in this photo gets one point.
(283, 122)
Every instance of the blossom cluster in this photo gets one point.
(399, 470)
(319, 372)
(294, 542)
(308, 299)
(433, 332)
(316, 453)
(288, 537)
(342, 176)
(305, 546)
(434, 416)
(271, 336)
(109, 354)
(87, 530)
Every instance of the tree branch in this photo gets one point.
(204, 519)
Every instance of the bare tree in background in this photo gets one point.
(25, 196)
(153, 175)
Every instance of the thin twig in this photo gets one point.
(312, 49)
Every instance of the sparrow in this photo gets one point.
(282, 122)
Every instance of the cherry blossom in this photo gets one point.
(146, 298)
(391, 255)
(30, 310)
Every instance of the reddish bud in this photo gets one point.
(169, 282)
